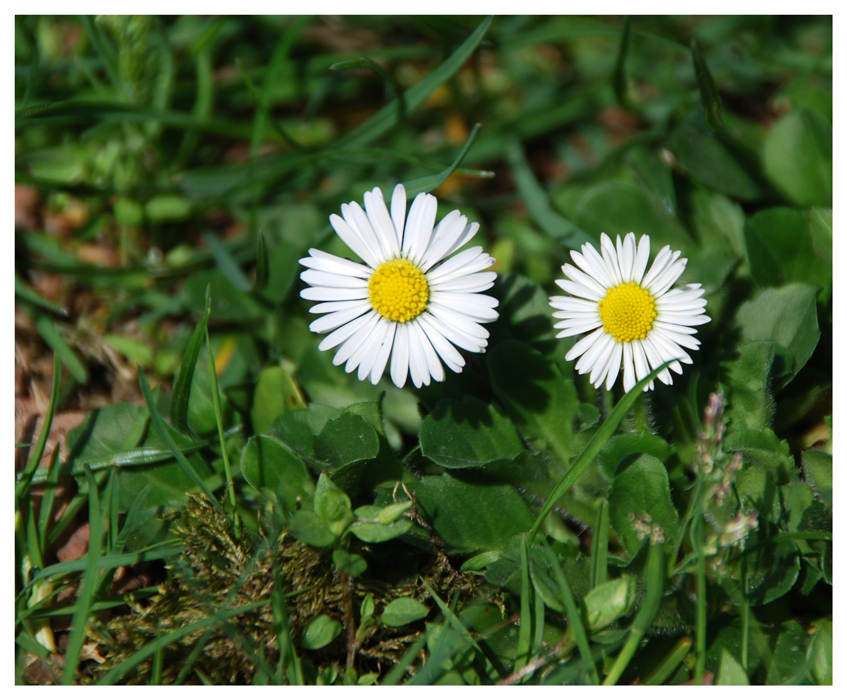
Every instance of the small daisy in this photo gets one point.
(408, 300)
(637, 320)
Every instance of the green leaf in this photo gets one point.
(539, 400)
(308, 527)
(787, 245)
(431, 182)
(730, 672)
(471, 512)
(798, 158)
(820, 653)
(642, 489)
(403, 611)
(788, 665)
(226, 263)
(182, 386)
(609, 601)
(333, 506)
(351, 564)
(319, 632)
(817, 468)
(468, 433)
(50, 334)
(369, 528)
(786, 316)
(164, 208)
(391, 513)
(273, 469)
(772, 569)
(276, 392)
(762, 448)
(616, 450)
(747, 376)
(346, 440)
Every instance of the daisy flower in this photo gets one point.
(636, 319)
(408, 300)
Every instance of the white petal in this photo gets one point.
(610, 257)
(592, 268)
(585, 280)
(400, 356)
(601, 365)
(465, 263)
(477, 282)
(333, 293)
(381, 222)
(664, 281)
(354, 241)
(641, 258)
(571, 304)
(336, 320)
(398, 212)
(417, 360)
(685, 319)
(582, 345)
(347, 349)
(588, 361)
(663, 260)
(466, 235)
(669, 349)
(424, 225)
(614, 365)
(626, 256)
(316, 278)
(364, 357)
(343, 333)
(641, 368)
(578, 290)
(331, 306)
(358, 219)
(444, 235)
(655, 360)
(383, 352)
(452, 358)
(577, 330)
(326, 262)
(434, 367)
(673, 327)
(628, 368)
(456, 335)
(479, 307)
(459, 320)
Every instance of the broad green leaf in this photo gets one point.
(276, 392)
(618, 207)
(539, 400)
(346, 440)
(616, 450)
(711, 162)
(351, 564)
(786, 316)
(319, 632)
(163, 208)
(730, 672)
(273, 469)
(762, 448)
(817, 468)
(468, 433)
(717, 221)
(820, 653)
(369, 528)
(298, 428)
(787, 245)
(748, 382)
(308, 527)
(391, 513)
(228, 303)
(332, 505)
(471, 512)
(609, 601)
(798, 158)
(788, 665)
(403, 611)
(772, 568)
(640, 490)
(654, 176)
(757, 492)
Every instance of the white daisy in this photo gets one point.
(407, 300)
(636, 319)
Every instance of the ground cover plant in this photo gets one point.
(266, 436)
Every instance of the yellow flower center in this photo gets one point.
(627, 312)
(398, 290)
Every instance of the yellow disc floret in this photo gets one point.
(627, 312)
(398, 290)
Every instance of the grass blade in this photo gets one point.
(162, 429)
(708, 91)
(50, 486)
(261, 264)
(50, 334)
(600, 546)
(525, 630)
(25, 293)
(592, 449)
(619, 77)
(430, 182)
(415, 96)
(554, 225)
(669, 663)
(644, 618)
(574, 619)
(226, 263)
(398, 670)
(182, 387)
(263, 108)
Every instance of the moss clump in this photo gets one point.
(217, 571)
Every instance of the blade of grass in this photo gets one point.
(708, 91)
(43, 611)
(415, 96)
(449, 644)
(644, 618)
(261, 264)
(158, 658)
(668, 665)
(25, 293)
(149, 649)
(162, 429)
(600, 546)
(50, 334)
(399, 669)
(213, 379)
(552, 223)
(575, 625)
(50, 486)
(182, 387)
(263, 108)
(391, 84)
(203, 103)
(619, 82)
(192, 657)
(525, 629)
(288, 660)
(89, 581)
(103, 48)
(699, 544)
(592, 449)
(25, 477)
(226, 263)
(430, 182)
